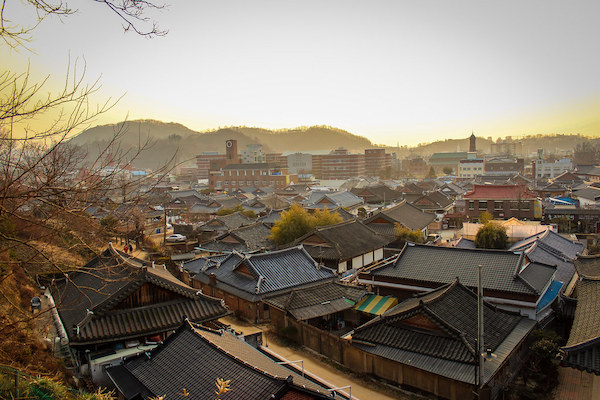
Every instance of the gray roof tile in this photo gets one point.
(440, 265)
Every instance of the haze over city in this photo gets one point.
(405, 72)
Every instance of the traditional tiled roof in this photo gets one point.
(273, 216)
(432, 200)
(583, 346)
(431, 265)
(227, 222)
(377, 194)
(315, 301)
(500, 192)
(245, 239)
(541, 253)
(589, 193)
(196, 265)
(342, 241)
(193, 358)
(437, 331)
(404, 213)
(89, 301)
(588, 266)
(341, 199)
(588, 170)
(551, 241)
(252, 276)
(463, 243)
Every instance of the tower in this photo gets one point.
(231, 152)
(472, 146)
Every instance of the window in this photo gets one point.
(471, 205)
(498, 205)
(514, 205)
(483, 205)
(232, 182)
(248, 183)
(525, 205)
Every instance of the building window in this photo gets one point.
(471, 205)
(514, 205)
(498, 205)
(525, 205)
(483, 205)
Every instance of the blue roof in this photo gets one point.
(550, 295)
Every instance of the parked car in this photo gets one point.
(176, 237)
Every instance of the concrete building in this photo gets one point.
(470, 168)
(376, 160)
(213, 161)
(439, 161)
(253, 154)
(235, 176)
(544, 169)
(300, 163)
(507, 148)
(502, 166)
(339, 164)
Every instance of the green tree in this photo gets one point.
(402, 233)
(431, 173)
(297, 221)
(448, 170)
(491, 236)
(485, 217)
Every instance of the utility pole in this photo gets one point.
(165, 221)
(480, 341)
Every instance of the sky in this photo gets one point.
(396, 71)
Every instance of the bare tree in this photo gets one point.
(132, 13)
(46, 182)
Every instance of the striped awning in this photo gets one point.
(376, 305)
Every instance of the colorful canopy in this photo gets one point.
(376, 305)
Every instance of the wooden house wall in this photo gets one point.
(147, 294)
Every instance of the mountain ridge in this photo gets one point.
(172, 138)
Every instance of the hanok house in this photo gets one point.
(583, 347)
(345, 246)
(380, 194)
(115, 305)
(510, 281)
(327, 305)
(191, 362)
(245, 239)
(503, 202)
(404, 214)
(435, 203)
(245, 280)
(224, 223)
(428, 342)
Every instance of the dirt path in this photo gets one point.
(313, 364)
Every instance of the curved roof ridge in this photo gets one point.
(231, 355)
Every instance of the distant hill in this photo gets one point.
(167, 139)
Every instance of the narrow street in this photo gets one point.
(327, 372)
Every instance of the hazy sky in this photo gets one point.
(394, 71)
